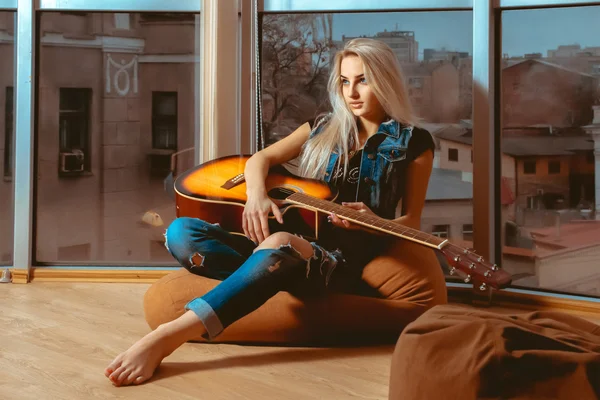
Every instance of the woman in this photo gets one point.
(367, 148)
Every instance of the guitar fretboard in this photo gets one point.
(368, 220)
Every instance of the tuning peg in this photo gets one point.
(487, 273)
(472, 266)
(495, 267)
(482, 287)
(457, 259)
(452, 271)
(468, 279)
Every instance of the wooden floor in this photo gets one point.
(57, 338)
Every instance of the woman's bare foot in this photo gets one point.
(138, 363)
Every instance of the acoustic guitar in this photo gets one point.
(215, 192)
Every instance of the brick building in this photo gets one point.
(537, 92)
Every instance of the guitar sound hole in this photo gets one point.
(280, 193)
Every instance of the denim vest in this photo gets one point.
(382, 167)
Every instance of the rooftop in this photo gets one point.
(549, 64)
(566, 237)
(519, 145)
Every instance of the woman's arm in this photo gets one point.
(280, 152)
(258, 205)
(417, 180)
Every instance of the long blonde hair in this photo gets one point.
(384, 76)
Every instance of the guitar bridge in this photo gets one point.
(233, 182)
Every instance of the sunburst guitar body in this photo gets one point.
(215, 192)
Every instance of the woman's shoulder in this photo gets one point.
(419, 130)
(420, 141)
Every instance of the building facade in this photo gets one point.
(117, 99)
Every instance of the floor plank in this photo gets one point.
(57, 338)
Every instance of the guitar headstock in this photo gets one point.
(473, 268)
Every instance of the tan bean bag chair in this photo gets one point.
(408, 277)
(456, 352)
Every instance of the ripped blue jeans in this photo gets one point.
(248, 278)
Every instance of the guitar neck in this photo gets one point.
(368, 220)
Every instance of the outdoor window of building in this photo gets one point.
(441, 231)
(467, 232)
(74, 131)
(415, 82)
(123, 21)
(551, 88)
(453, 154)
(164, 120)
(529, 167)
(9, 112)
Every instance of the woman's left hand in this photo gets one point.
(342, 223)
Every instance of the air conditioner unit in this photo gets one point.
(72, 161)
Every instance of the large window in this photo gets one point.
(435, 52)
(7, 136)
(110, 85)
(551, 123)
(116, 106)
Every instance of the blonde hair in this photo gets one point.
(384, 76)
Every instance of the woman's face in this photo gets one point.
(358, 95)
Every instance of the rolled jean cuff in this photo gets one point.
(207, 316)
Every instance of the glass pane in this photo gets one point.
(7, 137)
(434, 49)
(550, 172)
(101, 194)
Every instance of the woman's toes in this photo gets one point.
(116, 363)
(114, 377)
(131, 377)
(139, 380)
(121, 378)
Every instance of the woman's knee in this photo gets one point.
(279, 239)
(179, 232)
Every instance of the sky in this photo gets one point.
(523, 31)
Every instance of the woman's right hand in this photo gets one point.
(255, 220)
